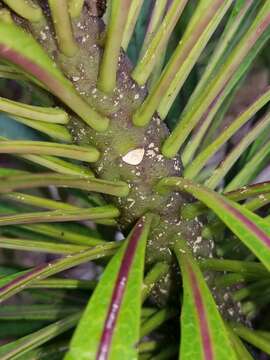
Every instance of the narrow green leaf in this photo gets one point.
(21, 346)
(230, 71)
(116, 188)
(115, 30)
(100, 212)
(203, 333)
(88, 154)
(253, 337)
(116, 298)
(253, 231)
(55, 131)
(58, 165)
(145, 66)
(27, 10)
(208, 15)
(63, 27)
(75, 7)
(197, 164)
(36, 312)
(39, 113)
(20, 282)
(239, 347)
(21, 49)
(233, 156)
(133, 14)
(39, 246)
(250, 169)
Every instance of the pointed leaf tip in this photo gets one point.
(202, 327)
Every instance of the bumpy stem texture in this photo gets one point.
(128, 153)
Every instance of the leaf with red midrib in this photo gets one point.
(203, 333)
(21, 49)
(109, 328)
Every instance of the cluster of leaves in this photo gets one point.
(119, 321)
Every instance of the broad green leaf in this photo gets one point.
(253, 231)
(203, 333)
(115, 305)
(21, 49)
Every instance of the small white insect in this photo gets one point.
(134, 157)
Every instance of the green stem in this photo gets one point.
(110, 59)
(63, 27)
